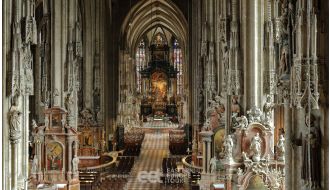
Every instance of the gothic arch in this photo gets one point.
(146, 15)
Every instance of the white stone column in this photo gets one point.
(252, 41)
(288, 146)
(207, 139)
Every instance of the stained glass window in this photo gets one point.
(177, 60)
(140, 62)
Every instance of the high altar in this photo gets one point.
(159, 85)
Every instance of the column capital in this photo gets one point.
(206, 135)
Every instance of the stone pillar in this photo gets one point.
(299, 125)
(252, 42)
(288, 146)
(14, 170)
(69, 158)
(207, 139)
(58, 48)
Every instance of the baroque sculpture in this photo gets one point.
(255, 147)
(268, 108)
(228, 148)
(213, 164)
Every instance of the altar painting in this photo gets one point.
(159, 86)
(54, 156)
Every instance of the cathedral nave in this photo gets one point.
(165, 94)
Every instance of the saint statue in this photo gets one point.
(255, 147)
(268, 108)
(75, 162)
(311, 168)
(228, 148)
(213, 164)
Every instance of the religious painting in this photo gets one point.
(219, 138)
(159, 86)
(56, 120)
(54, 156)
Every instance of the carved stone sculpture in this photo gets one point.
(239, 172)
(14, 119)
(254, 114)
(69, 104)
(213, 164)
(255, 147)
(235, 107)
(281, 148)
(56, 98)
(242, 122)
(28, 73)
(75, 162)
(311, 168)
(228, 148)
(34, 124)
(268, 108)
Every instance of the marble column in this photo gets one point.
(207, 139)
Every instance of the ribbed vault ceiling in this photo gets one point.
(146, 15)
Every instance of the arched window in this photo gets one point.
(140, 58)
(177, 61)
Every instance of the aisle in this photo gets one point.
(154, 149)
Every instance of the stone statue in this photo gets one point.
(34, 168)
(235, 107)
(14, 118)
(69, 103)
(75, 162)
(281, 148)
(245, 157)
(242, 122)
(311, 168)
(255, 147)
(213, 164)
(34, 124)
(284, 65)
(239, 172)
(56, 98)
(268, 108)
(28, 73)
(228, 148)
(206, 126)
(87, 116)
(254, 114)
